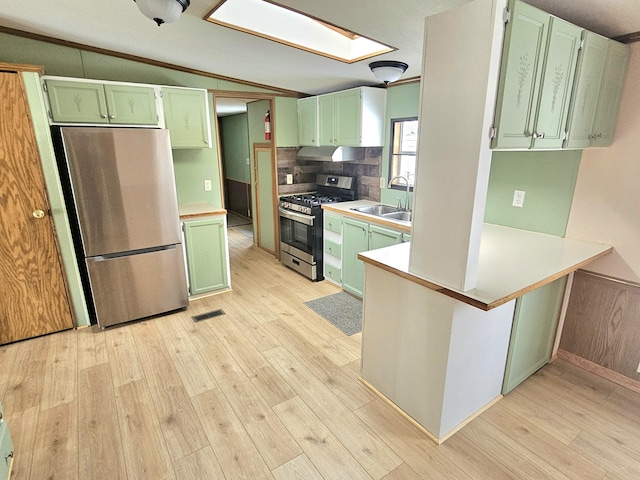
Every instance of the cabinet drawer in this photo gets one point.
(333, 273)
(333, 223)
(332, 248)
(6, 452)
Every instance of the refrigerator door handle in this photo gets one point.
(109, 256)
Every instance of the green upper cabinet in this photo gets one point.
(537, 71)
(525, 46)
(350, 118)
(207, 254)
(186, 114)
(585, 93)
(131, 105)
(308, 121)
(598, 87)
(557, 81)
(95, 103)
(326, 119)
(76, 102)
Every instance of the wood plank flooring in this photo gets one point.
(270, 391)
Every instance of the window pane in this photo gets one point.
(409, 136)
(402, 158)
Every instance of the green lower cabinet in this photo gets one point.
(380, 237)
(361, 237)
(6, 449)
(207, 254)
(355, 239)
(534, 328)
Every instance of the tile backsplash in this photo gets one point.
(367, 172)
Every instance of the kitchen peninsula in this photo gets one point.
(439, 353)
(441, 314)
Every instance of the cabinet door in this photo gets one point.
(206, 249)
(6, 451)
(557, 81)
(77, 102)
(333, 223)
(615, 71)
(520, 75)
(355, 239)
(187, 117)
(533, 331)
(308, 121)
(380, 237)
(584, 98)
(326, 119)
(348, 111)
(131, 105)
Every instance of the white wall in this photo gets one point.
(606, 202)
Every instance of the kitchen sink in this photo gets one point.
(378, 210)
(402, 216)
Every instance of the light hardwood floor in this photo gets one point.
(270, 391)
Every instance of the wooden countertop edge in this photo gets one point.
(473, 301)
(221, 211)
(369, 218)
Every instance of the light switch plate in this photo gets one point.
(207, 185)
(518, 198)
(289, 178)
(382, 182)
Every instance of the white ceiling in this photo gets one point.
(194, 43)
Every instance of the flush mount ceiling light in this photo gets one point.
(162, 11)
(388, 70)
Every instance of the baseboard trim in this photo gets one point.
(599, 370)
(436, 440)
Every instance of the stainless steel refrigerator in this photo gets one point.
(127, 221)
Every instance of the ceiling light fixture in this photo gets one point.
(388, 70)
(162, 11)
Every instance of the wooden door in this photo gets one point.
(266, 198)
(34, 298)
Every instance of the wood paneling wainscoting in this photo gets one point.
(238, 197)
(602, 327)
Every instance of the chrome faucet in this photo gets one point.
(406, 201)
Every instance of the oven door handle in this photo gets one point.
(296, 217)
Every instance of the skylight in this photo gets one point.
(283, 25)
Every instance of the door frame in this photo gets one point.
(266, 147)
(253, 96)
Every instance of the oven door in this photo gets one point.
(297, 235)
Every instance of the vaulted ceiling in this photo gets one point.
(191, 42)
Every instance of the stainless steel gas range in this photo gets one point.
(301, 223)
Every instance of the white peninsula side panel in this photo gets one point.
(438, 359)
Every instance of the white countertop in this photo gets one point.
(512, 263)
(345, 208)
(199, 209)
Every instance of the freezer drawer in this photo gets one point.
(136, 286)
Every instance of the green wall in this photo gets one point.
(235, 141)
(402, 101)
(548, 178)
(286, 109)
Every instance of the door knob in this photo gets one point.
(38, 213)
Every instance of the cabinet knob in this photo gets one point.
(38, 213)
(112, 117)
(538, 135)
(9, 455)
(103, 116)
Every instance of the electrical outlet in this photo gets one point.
(207, 185)
(289, 178)
(518, 198)
(382, 182)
